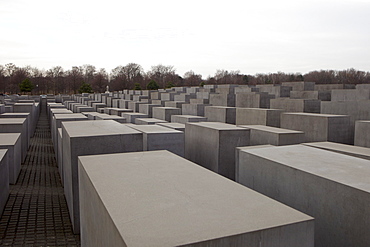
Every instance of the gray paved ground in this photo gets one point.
(36, 213)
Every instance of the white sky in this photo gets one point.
(200, 35)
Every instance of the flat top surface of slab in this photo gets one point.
(9, 138)
(12, 120)
(167, 107)
(152, 120)
(363, 121)
(154, 129)
(23, 114)
(2, 153)
(70, 115)
(344, 169)
(133, 114)
(216, 125)
(340, 147)
(60, 110)
(258, 109)
(253, 147)
(165, 200)
(221, 107)
(189, 116)
(93, 113)
(97, 128)
(313, 114)
(271, 129)
(24, 104)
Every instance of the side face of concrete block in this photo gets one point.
(169, 190)
(4, 179)
(331, 187)
(187, 118)
(362, 134)
(256, 116)
(220, 114)
(12, 142)
(165, 113)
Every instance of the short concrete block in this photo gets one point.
(192, 206)
(187, 118)
(175, 126)
(221, 114)
(17, 125)
(193, 109)
(362, 134)
(261, 135)
(132, 116)
(165, 113)
(331, 187)
(4, 179)
(319, 127)
(148, 121)
(296, 105)
(257, 116)
(212, 145)
(88, 138)
(119, 111)
(147, 109)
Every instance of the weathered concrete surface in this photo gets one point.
(165, 113)
(257, 116)
(261, 135)
(253, 100)
(319, 127)
(17, 125)
(161, 199)
(212, 145)
(362, 134)
(131, 116)
(12, 142)
(187, 118)
(148, 121)
(176, 126)
(222, 114)
(4, 179)
(331, 187)
(86, 138)
(296, 105)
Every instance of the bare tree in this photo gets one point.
(100, 81)
(74, 79)
(163, 74)
(192, 79)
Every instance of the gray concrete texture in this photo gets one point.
(253, 100)
(161, 199)
(165, 113)
(221, 114)
(12, 142)
(331, 187)
(187, 118)
(87, 138)
(296, 105)
(362, 134)
(212, 145)
(4, 179)
(319, 127)
(257, 116)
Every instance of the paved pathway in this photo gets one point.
(36, 213)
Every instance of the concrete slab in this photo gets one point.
(147, 121)
(12, 142)
(362, 134)
(319, 127)
(165, 113)
(296, 105)
(175, 126)
(4, 179)
(223, 114)
(193, 109)
(253, 100)
(261, 135)
(212, 145)
(257, 116)
(187, 118)
(17, 125)
(157, 137)
(131, 116)
(147, 109)
(87, 138)
(192, 206)
(331, 187)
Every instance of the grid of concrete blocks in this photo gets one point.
(219, 165)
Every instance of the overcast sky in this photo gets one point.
(203, 36)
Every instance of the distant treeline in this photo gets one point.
(59, 81)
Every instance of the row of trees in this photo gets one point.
(57, 80)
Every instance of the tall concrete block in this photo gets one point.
(33, 109)
(362, 133)
(222, 99)
(193, 109)
(87, 138)
(192, 206)
(147, 109)
(12, 142)
(157, 137)
(261, 135)
(212, 145)
(277, 90)
(331, 187)
(4, 179)
(134, 105)
(17, 125)
(296, 105)
(132, 116)
(300, 85)
(221, 114)
(176, 104)
(165, 113)
(257, 116)
(350, 94)
(319, 127)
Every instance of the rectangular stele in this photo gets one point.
(17, 125)
(89, 138)
(157, 198)
(212, 145)
(4, 179)
(12, 142)
(331, 187)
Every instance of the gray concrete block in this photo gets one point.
(134, 105)
(221, 114)
(222, 99)
(175, 126)
(258, 116)
(300, 85)
(148, 121)
(176, 104)
(131, 116)
(12, 142)
(277, 90)
(4, 179)
(187, 118)
(165, 113)
(119, 111)
(88, 138)
(192, 206)
(193, 109)
(318, 95)
(296, 105)
(350, 94)
(147, 109)
(59, 154)
(355, 151)
(17, 125)
(212, 145)
(157, 137)
(319, 127)
(96, 106)
(331, 187)
(253, 100)
(261, 135)
(110, 117)
(362, 134)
